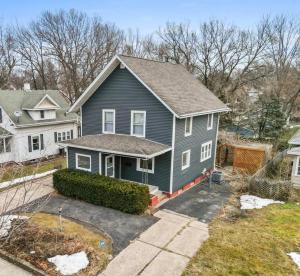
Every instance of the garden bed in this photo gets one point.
(40, 238)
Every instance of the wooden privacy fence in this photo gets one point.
(245, 158)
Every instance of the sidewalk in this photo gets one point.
(10, 269)
(25, 193)
(163, 249)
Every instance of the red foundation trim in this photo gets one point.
(153, 201)
(189, 185)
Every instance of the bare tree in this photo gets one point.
(282, 57)
(8, 59)
(80, 45)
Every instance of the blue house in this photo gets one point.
(146, 121)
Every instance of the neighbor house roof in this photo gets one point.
(4, 132)
(295, 140)
(19, 100)
(294, 151)
(179, 90)
(119, 144)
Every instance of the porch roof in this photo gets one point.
(119, 144)
(4, 132)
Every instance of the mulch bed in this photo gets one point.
(35, 244)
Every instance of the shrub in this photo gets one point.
(101, 190)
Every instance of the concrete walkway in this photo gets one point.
(10, 269)
(163, 249)
(25, 193)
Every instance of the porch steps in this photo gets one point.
(153, 189)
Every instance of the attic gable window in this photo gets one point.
(42, 114)
(210, 121)
(188, 126)
(138, 123)
(108, 121)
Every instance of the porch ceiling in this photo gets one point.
(119, 144)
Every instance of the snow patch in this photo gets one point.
(70, 264)
(5, 223)
(25, 179)
(295, 257)
(255, 202)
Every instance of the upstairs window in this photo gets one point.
(108, 121)
(210, 121)
(42, 114)
(35, 142)
(145, 165)
(188, 126)
(206, 151)
(185, 159)
(63, 136)
(138, 123)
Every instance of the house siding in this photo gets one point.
(123, 92)
(94, 158)
(200, 135)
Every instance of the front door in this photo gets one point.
(110, 165)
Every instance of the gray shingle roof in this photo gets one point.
(4, 132)
(15, 100)
(295, 140)
(120, 144)
(177, 87)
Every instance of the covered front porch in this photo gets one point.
(124, 157)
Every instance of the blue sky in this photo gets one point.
(148, 15)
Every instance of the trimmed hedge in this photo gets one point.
(102, 190)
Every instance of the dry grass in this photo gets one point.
(41, 236)
(256, 244)
(17, 171)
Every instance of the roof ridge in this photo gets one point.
(147, 59)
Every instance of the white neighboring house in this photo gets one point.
(294, 152)
(31, 124)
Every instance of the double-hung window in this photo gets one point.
(210, 121)
(108, 121)
(35, 141)
(185, 159)
(206, 149)
(145, 165)
(83, 162)
(138, 123)
(5, 145)
(188, 126)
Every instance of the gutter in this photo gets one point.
(46, 123)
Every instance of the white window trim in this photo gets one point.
(297, 166)
(80, 168)
(189, 159)
(39, 142)
(100, 163)
(113, 162)
(191, 127)
(204, 145)
(114, 121)
(131, 124)
(5, 145)
(209, 127)
(138, 165)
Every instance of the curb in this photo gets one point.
(21, 263)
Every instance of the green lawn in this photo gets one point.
(17, 171)
(256, 244)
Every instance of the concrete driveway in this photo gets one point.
(202, 202)
(122, 227)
